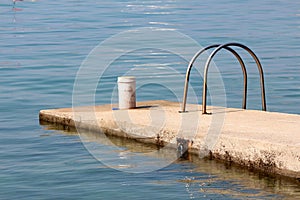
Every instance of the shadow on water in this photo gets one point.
(207, 176)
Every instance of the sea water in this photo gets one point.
(42, 46)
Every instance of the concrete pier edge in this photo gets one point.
(265, 141)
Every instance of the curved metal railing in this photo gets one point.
(218, 48)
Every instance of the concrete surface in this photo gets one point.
(266, 141)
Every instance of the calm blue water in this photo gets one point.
(42, 45)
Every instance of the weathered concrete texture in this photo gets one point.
(264, 140)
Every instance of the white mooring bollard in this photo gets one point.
(126, 91)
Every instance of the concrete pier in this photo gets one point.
(266, 141)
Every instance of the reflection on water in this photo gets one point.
(203, 178)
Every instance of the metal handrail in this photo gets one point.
(187, 77)
(204, 94)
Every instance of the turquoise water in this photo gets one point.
(42, 45)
